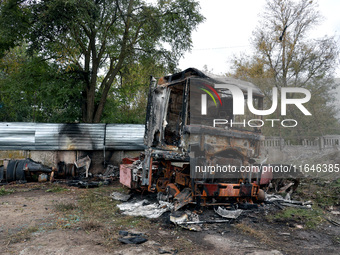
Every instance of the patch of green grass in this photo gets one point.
(329, 194)
(57, 189)
(4, 191)
(338, 181)
(311, 218)
(323, 193)
(97, 204)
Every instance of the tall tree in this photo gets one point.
(102, 37)
(285, 56)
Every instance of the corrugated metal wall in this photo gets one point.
(45, 136)
(124, 136)
(17, 136)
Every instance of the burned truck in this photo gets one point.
(197, 150)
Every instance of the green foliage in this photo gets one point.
(4, 191)
(34, 90)
(14, 23)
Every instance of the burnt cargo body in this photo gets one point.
(182, 135)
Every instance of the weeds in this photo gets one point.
(336, 239)
(57, 189)
(311, 218)
(256, 233)
(324, 193)
(91, 225)
(64, 207)
(4, 191)
(23, 235)
(68, 221)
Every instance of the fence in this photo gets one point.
(70, 137)
(322, 142)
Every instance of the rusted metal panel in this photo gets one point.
(124, 137)
(17, 136)
(126, 175)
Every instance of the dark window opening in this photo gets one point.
(174, 115)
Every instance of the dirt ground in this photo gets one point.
(56, 219)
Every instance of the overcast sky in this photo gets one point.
(228, 28)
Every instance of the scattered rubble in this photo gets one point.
(230, 214)
(111, 171)
(190, 220)
(162, 251)
(187, 217)
(193, 220)
(120, 196)
(86, 184)
(77, 174)
(131, 238)
(84, 163)
(280, 202)
(186, 220)
(145, 208)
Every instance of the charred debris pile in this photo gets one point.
(73, 174)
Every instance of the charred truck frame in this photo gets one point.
(178, 138)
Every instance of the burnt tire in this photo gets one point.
(19, 171)
(10, 173)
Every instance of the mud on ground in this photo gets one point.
(56, 219)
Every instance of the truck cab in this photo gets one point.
(192, 136)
